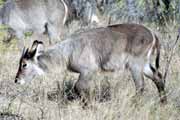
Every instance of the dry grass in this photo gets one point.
(45, 98)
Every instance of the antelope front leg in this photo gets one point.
(82, 87)
(53, 33)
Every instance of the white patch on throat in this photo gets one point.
(38, 70)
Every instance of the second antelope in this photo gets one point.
(111, 48)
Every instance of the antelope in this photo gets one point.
(36, 16)
(111, 48)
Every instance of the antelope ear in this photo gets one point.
(34, 45)
(37, 48)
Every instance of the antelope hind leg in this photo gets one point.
(156, 77)
(137, 75)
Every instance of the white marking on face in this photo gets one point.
(38, 70)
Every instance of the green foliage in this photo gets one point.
(5, 47)
(121, 3)
(167, 10)
(28, 34)
(2, 1)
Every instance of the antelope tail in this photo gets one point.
(157, 52)
(155, 47)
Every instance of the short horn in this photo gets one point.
(23, 51)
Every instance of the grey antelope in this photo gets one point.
(44, 16)
(37, 16)
(111, 48)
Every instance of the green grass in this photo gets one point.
(6, 47)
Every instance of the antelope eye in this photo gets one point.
(24, 65)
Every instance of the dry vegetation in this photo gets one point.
(46, 98)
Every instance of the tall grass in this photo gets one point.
(43, 99)
(46, 98)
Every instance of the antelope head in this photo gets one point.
(28, 64)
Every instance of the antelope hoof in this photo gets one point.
(163, 100)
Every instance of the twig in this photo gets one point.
(170, 57)
(59, 106)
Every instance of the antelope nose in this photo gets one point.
(16, 80)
